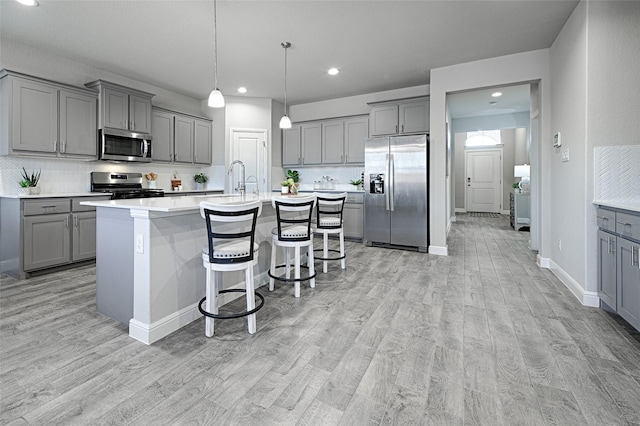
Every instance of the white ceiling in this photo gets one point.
(377, 45)
(477, 103)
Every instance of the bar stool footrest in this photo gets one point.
(329, 258)
(229, 316)
(291, 280)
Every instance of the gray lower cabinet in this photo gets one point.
(45, 232)
(353, 216)
(619, 262)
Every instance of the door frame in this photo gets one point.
(266, 160)
(483, 149)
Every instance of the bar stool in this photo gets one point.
(231, 247)
(329, 221)
(293, 230)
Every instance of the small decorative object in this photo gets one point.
(201, 180)
(293, 174)
(151, 178)
(30, 181)
(176, 183)
(516, 187)
(356, 183)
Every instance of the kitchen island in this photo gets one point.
(149, 270)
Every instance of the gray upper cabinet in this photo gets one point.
(383, 120)
(356, 130)
(162, 136)
(180, 138)
(123, 107)
(202, 142)
(183, 143)
(46, 118)
(401, 117)
(291, 153)
(311, 143)
(78, 124)
(333, 142)
(337, 141)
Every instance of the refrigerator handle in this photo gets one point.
(388, 189)
(392, 189)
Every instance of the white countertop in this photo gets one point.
(56, 195)
(176, 204)
(632, 205)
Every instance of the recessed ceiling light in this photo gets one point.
(242, 90)
(492, 103)
(28, 2)
(334, 71)
(496, 94)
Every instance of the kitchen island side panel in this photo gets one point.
(114, 263)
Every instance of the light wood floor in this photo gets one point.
(482, 336)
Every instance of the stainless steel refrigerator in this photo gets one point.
(396, 192)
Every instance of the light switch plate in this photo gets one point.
(565, 155)
(557, 140)
(139, 243)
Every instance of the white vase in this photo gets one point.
(199, 186)
(24, 191)
(152, 184)
(284, 189)
(34, 190)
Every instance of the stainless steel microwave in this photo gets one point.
(124, 145)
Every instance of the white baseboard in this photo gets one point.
(453, 219)
(150, 333)
(587, 298)
(506, 212)
(440, 251)
(460, 210)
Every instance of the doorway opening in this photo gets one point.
(249, 146)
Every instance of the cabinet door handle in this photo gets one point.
(66, 222)
(603, 218)
(396, 128)
(77, 220)
(623, 223)
(346, 158)
(403, 128)
(55, 145)
(64, 146)
(133, 125)
(49, 206)
(635, 254)
(126, 124)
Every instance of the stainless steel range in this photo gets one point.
(122, 185)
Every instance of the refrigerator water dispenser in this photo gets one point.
(376, 183)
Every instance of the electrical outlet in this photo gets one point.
(559, 244)
(139, 243)
(565, 155)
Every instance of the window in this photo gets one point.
(483, 138)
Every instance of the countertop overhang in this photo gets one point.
(631, 205)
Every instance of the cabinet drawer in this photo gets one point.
(77, 207)
(606, 219)
(355, 198)
(628, 225)
(47, 206)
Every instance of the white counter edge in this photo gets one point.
(633, 206)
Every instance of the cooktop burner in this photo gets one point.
(122, 185)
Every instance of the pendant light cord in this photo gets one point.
(286, 46)
(215, 47)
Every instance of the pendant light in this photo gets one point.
(285, 122)
(216, 100)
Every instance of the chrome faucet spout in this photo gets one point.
(242, 185)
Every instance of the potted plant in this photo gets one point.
(30, 181)
(356, 183)
(516, 187)
(284, 186)
(200, 179)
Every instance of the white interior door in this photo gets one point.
(483, 180)
(250, 147)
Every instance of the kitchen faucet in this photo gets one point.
(242, 185)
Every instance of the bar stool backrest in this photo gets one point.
(229, 222)
(329, 210)
(293, 215)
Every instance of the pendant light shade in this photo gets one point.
(285, 122)
(216, 100)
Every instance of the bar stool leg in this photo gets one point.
(211, 304)
(297, 270)
(288, 263)
(325, 251)
(274, 249)
(312, 281)
(251, 299)
(342, 261)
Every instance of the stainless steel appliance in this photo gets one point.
(395, 203)
(124, 145)
(122, 185)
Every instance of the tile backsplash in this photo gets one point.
(67, 176)
(341, 175)
(617, 173)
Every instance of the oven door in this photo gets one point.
(122, 145)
